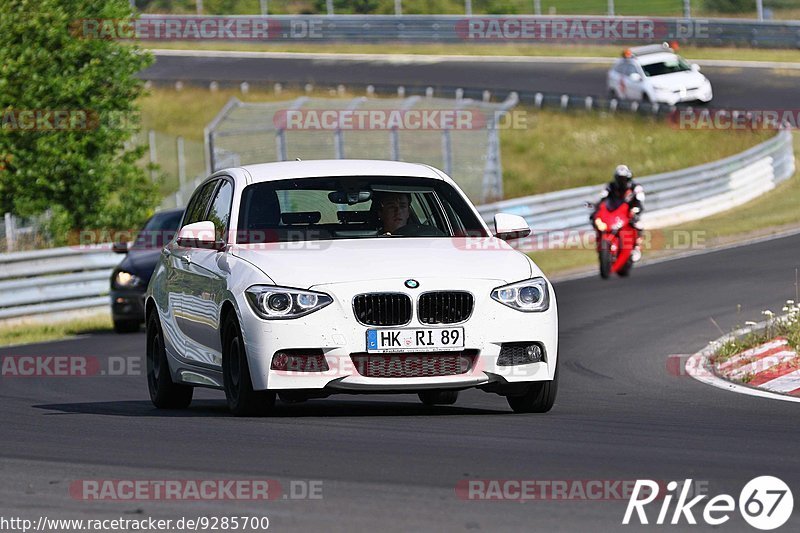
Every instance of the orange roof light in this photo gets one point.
(674, 46)
(627, 54)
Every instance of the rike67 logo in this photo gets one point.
(765, 503)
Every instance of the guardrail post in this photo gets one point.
(9, 220)
(687, 9)
(610, 8)
(537, 7)
(537, 100)
(588, 103)
(564, 101)
(760, 9)
(264, 7)
(329, 6)
(468, 8)
(398, 7)
(199, 7)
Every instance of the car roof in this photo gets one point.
(339, 167)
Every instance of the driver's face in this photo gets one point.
(394, 212)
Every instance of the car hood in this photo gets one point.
(679, 80)
(141, 262)
(344, 261)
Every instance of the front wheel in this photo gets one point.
(242, 399)
(539, 398)
(164, 393)
(605, 259)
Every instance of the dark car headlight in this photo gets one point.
(530, 296)
(271, 302)
(126, 280)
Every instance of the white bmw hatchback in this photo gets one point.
(305, 279)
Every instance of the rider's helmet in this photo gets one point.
(622, 176)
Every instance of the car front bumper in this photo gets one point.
(335, 332)
(127, 304)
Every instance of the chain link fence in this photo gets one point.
(458, 136)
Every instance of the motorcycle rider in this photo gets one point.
(623, 188)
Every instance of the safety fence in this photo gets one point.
(469, 30)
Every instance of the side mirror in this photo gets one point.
(199, 235)
(636, 77)
(120, 247)
(695, 67)
(509, 227)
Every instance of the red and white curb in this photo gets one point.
(773, 366)
(771, 370)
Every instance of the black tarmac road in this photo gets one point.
(734, 87)
(388, 463)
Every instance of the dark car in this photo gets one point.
(129, 280)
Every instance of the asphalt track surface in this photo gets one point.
(388, 463)
(751, 88)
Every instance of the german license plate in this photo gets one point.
(403, 340)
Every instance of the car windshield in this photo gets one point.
(666, 67)
(354, 207)
(158, 230)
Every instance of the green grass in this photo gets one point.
(500, 49)
(26, 333)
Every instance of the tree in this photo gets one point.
(78, 167)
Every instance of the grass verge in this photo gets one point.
(474, 49)
(35, 331)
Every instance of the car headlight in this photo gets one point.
(269, 301)
(127, 280)
(531, 295)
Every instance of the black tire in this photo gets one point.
(438, 397)
(612, 95)
(625, 271)
(539, 398)
(126, 326)
(164, 393)
(605, 260)
(242, 399)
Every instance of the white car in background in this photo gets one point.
(283, 280)
(656, 74)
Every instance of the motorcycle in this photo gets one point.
(616, 237)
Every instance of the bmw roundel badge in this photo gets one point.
(412, 283)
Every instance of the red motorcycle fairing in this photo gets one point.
(616, 236)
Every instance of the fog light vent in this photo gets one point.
(520, 353)
(299, 361)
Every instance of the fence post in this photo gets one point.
(468, 7)
(329, 6)
(760, 9)
(199, 7)
(264, 7)
(687, 9)
(447, 152)
(151, 140)
(398, 7)
(181, 163)
(610, 8)
(537, 7)
(9, 220)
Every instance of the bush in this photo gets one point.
(85, 176)
(730, 6)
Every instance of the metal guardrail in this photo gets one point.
(58, 279)
(455, 29)
(62, 279)
(672, 197)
